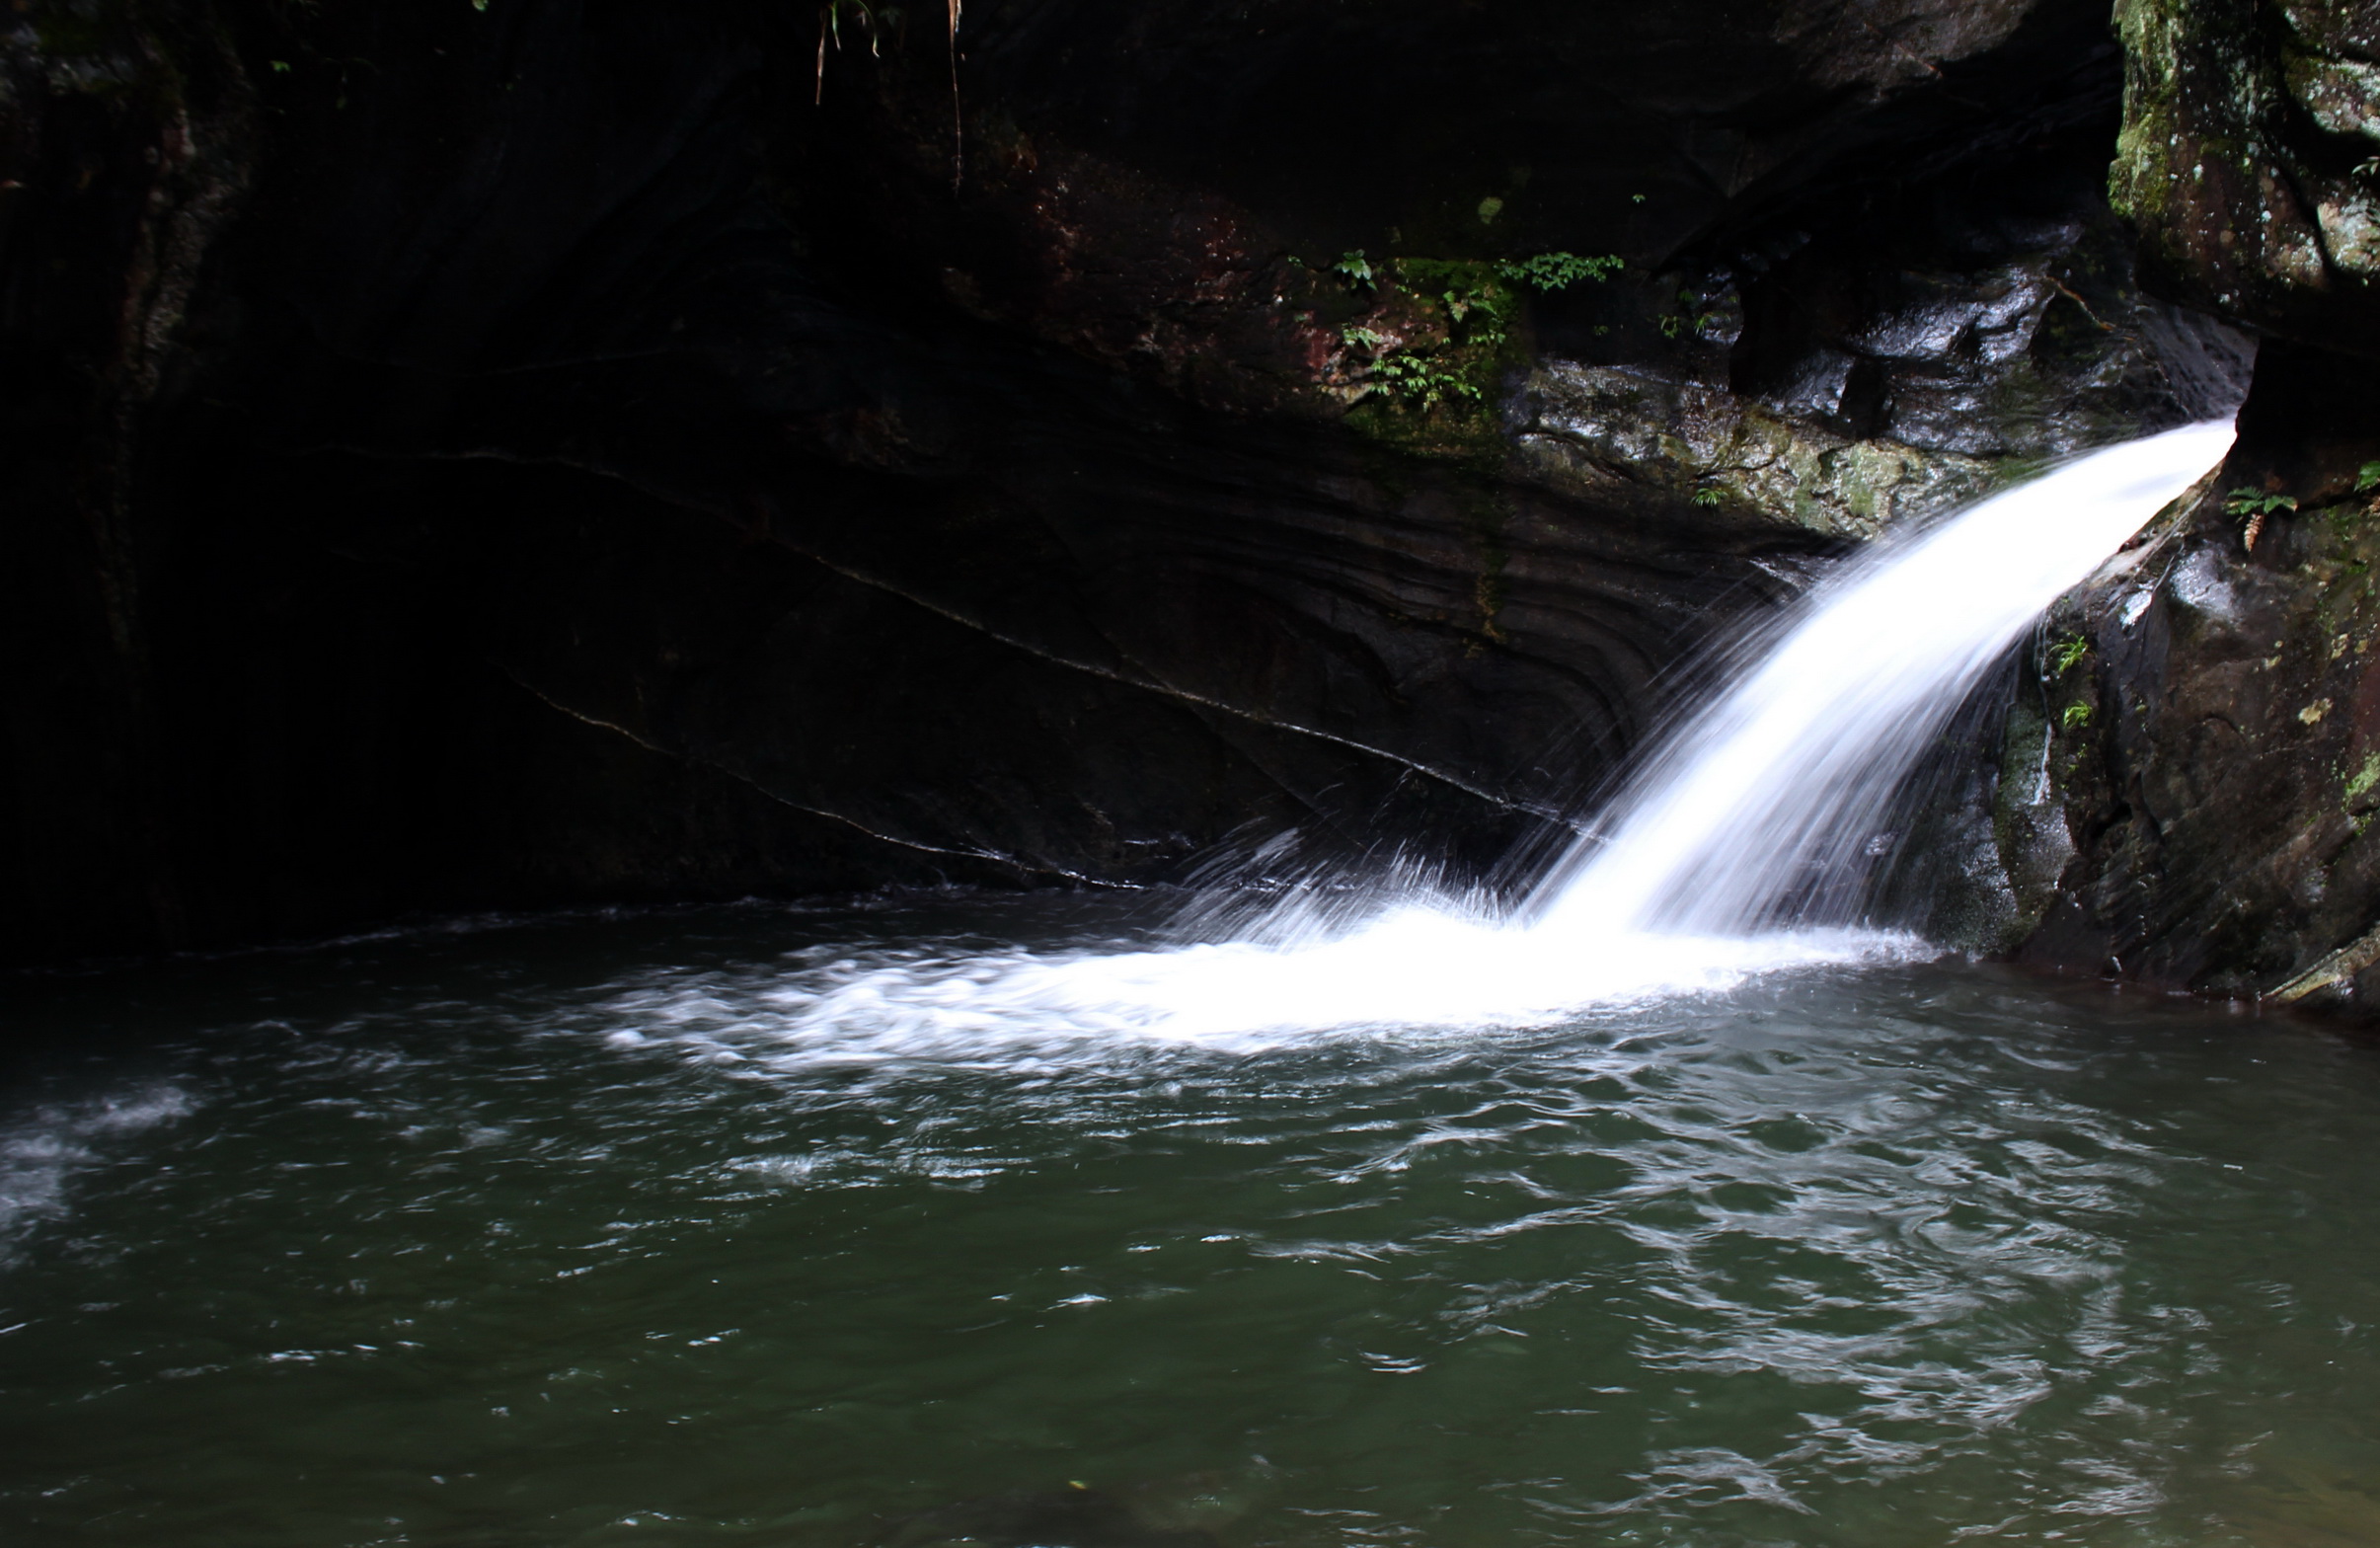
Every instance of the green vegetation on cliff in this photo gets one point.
(1447, 327)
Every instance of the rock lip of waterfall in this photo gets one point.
(1740, 819)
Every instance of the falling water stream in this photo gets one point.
(1778, 785)
(1707, 861)
(1681, 1206)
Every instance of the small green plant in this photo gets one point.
(1418, 380)
(1480, 318)
(1689, 318)
(2256, 507)
(2066, 652)
(1481, 302)
(1709, 497)
(1476, 314)
(2075, 717)
(2256, 503)
(1559, 271)
(1478, 307)
(2367, 477)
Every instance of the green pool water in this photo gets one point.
(591, 1231)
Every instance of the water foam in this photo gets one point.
(1712, 867)
(1418, 967)
(43, 1148)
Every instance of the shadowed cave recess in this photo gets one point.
(558, 454)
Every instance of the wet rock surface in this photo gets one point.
(2189, 788)
(598, 453)
(2184, 797)
(2250, 159)
(1611, 429)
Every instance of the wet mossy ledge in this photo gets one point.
(536, 454)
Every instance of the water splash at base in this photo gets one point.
(1724, 857)
(1415, 968)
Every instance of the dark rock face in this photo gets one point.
(125, 151)
(2185, 796)
(2247, 159)
(538, 455)
(2193, 787)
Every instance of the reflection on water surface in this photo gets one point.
(588, 1232)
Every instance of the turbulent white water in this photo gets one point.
(1776, 785)
(1697, 877)
(43, 1146)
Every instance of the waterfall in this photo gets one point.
(1700, 872)
(1778, 785)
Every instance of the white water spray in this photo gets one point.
(1753, 805)
(1775, 787)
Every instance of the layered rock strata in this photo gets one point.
(537, 454)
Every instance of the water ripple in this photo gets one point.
(1830, 1259)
